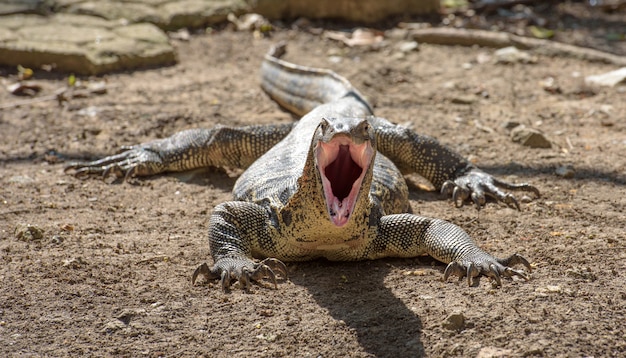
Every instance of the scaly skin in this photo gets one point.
(326, 186)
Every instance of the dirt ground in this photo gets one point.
(109, 272)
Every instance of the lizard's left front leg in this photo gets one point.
(407, 235)
(447, 170)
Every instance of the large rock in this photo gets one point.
(166, 14)
(97, 36)
(11, 7)
(81, 44)
(366, 11)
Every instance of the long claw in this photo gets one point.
(476, 184)
(459, 195)
(519, 187)
(276, 265)
(205, 271)
(511, 272)
(516, 259)
(243, 270)
(453, 268)
(483, 264)
(472, 271)
(130, 173)
(265, 271)
(511, 201)
(479, 199)
(447, 187)
(225, 280)
(494, 273)
(244, 279)
(131, 162)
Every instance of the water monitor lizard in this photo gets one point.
(329, 185)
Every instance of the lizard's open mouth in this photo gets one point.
(342, 165)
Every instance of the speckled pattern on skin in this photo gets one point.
(295, 203)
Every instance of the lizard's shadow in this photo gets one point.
(355, 294)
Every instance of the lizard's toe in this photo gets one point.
(477, 185)
(242, 270)
(487, 266)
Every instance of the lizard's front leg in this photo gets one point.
(407, 235)
(447, 170)
(222, 146)
(235, 229)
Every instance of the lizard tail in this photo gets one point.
(299, 89)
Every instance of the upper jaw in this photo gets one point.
(343, 164)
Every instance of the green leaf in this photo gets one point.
(71, 80)
(541, 33)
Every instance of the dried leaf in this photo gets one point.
(24, 89)
(360, 37)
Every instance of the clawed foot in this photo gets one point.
(243, 270)
(488, 266)
(477, 184)
(131, 162)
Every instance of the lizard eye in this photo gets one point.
(365, 127)
(324, 124)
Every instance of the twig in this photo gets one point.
(490, 6)
(153, 258)
(62, 94)
(467, 37)
(26, 102)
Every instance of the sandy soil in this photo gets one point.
(108, 274)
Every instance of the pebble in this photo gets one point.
(530, 137)
(454, 322)
(28, 232)
(566, 171)
(513, 55)
(113, 326)
(408, 46)
(21, 179)
(608, 79)
(493, 352)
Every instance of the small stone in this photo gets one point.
(566, 171)
(113, 326)
(511, 54)
(57, 240)
(408, 46)
(525, 199)
(270, 337)
(549, 289)
(21, 179)
(608, 79)
(454, 322)
(127, 314)
(510, 125)
(463, 99)
(494, 352)
(28, 232)
(74, 262)
(530, 137)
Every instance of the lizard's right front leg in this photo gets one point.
(235, 228)
(222, 146)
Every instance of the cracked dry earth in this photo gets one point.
(104, 268)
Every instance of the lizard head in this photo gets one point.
(344, 156)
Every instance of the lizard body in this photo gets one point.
(330, 185)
